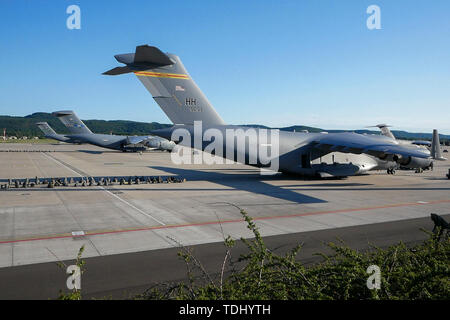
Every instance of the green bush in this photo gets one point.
(419, 272)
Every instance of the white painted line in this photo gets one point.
(132, 206)
(62, 164)
(117, 197)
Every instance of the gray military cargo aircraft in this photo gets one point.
(179, 97)
(81, 133)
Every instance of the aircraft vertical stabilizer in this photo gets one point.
(385, 130)
(46, 129)
(436, 147)
(50, 133)
(72, 122)
(165, 77)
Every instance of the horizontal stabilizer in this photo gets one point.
(146, 57)
(151, 55)
(117, 70)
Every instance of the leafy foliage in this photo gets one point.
(75, 294)
(419, 272)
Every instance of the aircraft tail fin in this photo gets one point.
(436, 147)
(165, 77)
(385, 130)
(72, 122)
(46, 129)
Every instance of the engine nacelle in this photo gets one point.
(153, 143)
(390, 157)
(167, 145)
(160, 144)
(412, 162)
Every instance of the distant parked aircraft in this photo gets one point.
(79, 132)
(434, 146)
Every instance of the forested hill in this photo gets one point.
(26, 126)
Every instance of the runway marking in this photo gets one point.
(67, 209)
(199, 224)
(132, 206)
(109, 192)
(60, 163)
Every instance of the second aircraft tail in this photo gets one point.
(72, 122)
(385, 130)
(46, 129)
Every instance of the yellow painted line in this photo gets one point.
(161, 75)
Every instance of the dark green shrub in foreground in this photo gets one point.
(419, 272)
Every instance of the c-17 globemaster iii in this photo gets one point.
(198, 125)
(80, 133)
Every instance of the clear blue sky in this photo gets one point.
(275, 63)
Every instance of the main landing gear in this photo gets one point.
(391, 171)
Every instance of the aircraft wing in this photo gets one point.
(137, 139)
(422, 143)
(377, 146)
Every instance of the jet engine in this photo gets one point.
(412, 162)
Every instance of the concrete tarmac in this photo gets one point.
(123, 276)
(38, 225)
